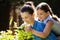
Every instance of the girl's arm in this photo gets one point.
(45, 32)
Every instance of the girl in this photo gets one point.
(38, 29)
(45, 15)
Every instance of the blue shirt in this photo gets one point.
(39, 26)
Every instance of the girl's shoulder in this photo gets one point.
(38, 23)
(48, 19)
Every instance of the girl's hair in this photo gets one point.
(44, 6)
(27, 9)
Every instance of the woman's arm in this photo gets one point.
(45, 32)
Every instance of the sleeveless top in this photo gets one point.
(56, 26)
(39, 26)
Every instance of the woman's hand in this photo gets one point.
(28, 29)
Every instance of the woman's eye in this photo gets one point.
(26, 17)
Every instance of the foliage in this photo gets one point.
(6, 35)
(23, 35)
(20, 34)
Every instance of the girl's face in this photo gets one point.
(42, 14)
(26, 17)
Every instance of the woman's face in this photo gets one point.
(41, 14)
(26, 17)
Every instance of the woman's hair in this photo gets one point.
(44, 6)
(27, 9)
(29, 3)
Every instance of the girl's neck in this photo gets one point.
(44, 19)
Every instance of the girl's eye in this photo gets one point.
(40, 14)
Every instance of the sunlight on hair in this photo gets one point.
(55, 16)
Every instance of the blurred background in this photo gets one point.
(5, 6)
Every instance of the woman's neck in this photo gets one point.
(32, 22)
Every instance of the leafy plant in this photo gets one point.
(20, 34)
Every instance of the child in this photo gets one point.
(38, 29)
(45, 15)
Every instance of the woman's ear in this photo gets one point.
(33, 15)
